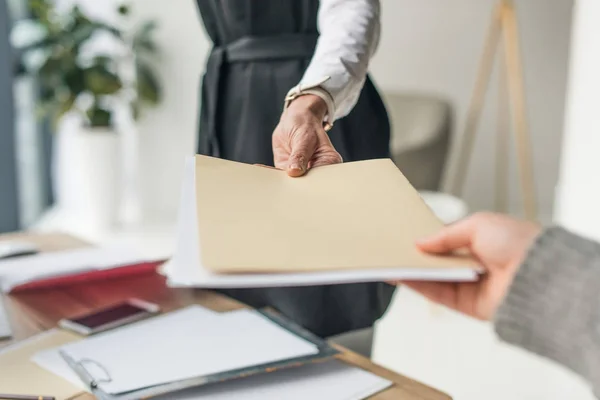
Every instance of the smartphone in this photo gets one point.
(111, 317)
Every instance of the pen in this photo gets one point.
(23, 397)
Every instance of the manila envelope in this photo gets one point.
(349, 216)
(21, 376)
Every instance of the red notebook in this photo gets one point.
(97, 275)
(70, 267)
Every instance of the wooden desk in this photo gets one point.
(35, 311)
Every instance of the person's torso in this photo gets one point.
(228, 20)
(261, 49)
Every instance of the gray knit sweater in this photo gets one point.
(553, 306)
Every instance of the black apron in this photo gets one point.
(261, 49)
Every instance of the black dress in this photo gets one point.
(261, 50)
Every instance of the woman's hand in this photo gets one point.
(300, 141)
(498, 242)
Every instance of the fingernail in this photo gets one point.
(297, 167)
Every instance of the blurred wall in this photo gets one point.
(9, 212)
(435, 45)
(578, 195)
(168, 133)
(427, 45)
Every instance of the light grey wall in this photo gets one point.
(8, 190)
(434, 46)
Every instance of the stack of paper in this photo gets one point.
(196, 342)
(332, 380)
(61, 266)
(248, 226)
(182, 345)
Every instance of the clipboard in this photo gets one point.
(94, 383)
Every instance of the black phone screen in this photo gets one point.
(109, 315)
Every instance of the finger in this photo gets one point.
(443, 293)
(450, 238)
(328, 159)
(281, 161)
(281, 149)
(326, 154)
(298, 162)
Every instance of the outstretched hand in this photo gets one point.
(498, 242)
(300, 141)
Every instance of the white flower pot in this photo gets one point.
(86, 178)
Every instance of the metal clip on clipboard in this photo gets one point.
(94, 384)
(88, 379)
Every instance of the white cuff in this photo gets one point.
(314, 89)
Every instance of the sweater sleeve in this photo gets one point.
(553, 306)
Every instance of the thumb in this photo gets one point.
(450, 238)
(300, 155)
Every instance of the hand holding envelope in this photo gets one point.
(352, 222)
(499, 242)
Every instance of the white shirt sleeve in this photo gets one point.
(349, 35)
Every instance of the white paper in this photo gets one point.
(185, 269)
(52, 361)
(185, 344)
(21, 270)
(26, 342)
(332, 380)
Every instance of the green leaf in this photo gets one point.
(75, 80)
(19, 68)
(99, 117)
(147, 85)
(103, 61)
(147, 28)
(141, 45)
(51, 71)
(124, 9)
(39, 8)
(47, 93)
(142, 40)
(110, 29)
(79, 17)
(83, 28)
(100, 81)
(82, 33)
(65, 106)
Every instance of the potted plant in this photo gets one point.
(93, 78)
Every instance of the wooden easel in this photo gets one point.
(503, 27)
